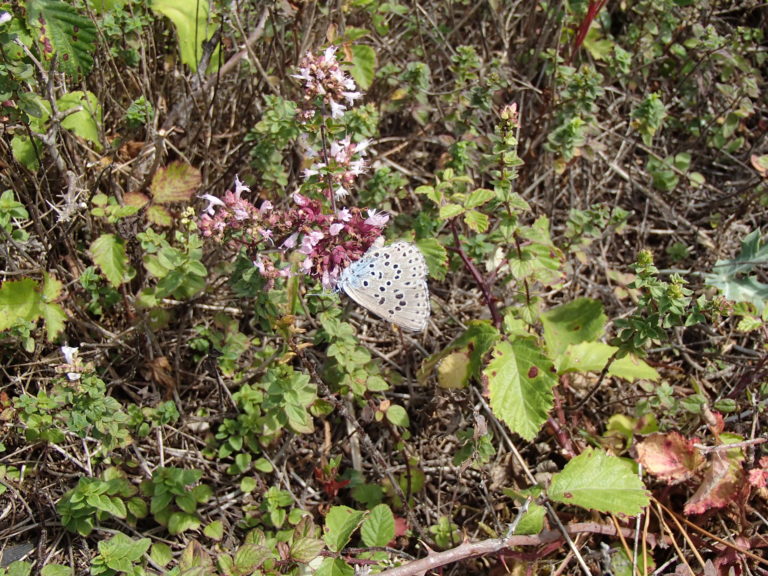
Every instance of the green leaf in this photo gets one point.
(72, 35)
(520, 381)
(448, 211)
(19, 568)
(85, 123)
(584, 357)
(363, 68)
(26, 151)
(19, 301)
(177, 182)
(378, 528)
(305, 549)
(249, 557)
(181, 522)
(120, 549)
(581, 320)
(161, 553)
(340, 523)
(56, 570)
(190, 18)
(334, 567)
(108, 252)
(214, 530)
(435, 255)
(632, 368)
(397, 415)
(53, 315)
(473, 344)
(729, 275)
(533, 520)
(597, 481)
(479, 197)
(476, 221)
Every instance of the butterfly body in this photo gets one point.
(391, 282)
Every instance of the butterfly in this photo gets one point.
(391, 282)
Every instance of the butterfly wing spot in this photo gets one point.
(391, 282)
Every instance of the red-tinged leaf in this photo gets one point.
(670, 457)
(135, 199)
(722, 481)
(177, 182)
(401, 526)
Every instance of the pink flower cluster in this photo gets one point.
(322, 78)
(328, 242)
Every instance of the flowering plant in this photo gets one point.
(327, 237)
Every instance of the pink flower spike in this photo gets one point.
(376, 219)
(344, 215)
(212, 201)
(335, 228)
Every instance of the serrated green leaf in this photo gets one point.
(250, 556)
(306, 549)
(597, 481)
(476, 221)
(581, 320)
(479, 197)
(108, 253)
(190, 19)
(378, 528)
(72, 35)
(363, 68)
(435, 255)
(19, 301)
(520, 381)
(340, 523)
(448, 211)
(177, 182)
(85, 123)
